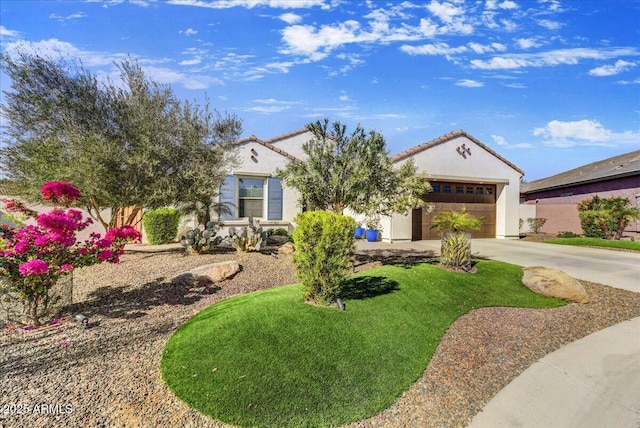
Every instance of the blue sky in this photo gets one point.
(548, 84)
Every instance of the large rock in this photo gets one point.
(554, 283)
(217, 272)
(286, 248)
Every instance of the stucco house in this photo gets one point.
(461, 170)
(555, 198)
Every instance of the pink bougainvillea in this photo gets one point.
(35, 256)
(59, 192)
(33, 267)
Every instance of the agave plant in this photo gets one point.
(456, 241)
(202, 239)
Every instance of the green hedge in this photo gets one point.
(324, 253)
(161, 225)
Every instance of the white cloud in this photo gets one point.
(445, 11)
(5, 32)
(268, 106)
(509, 25)
(612, 70)
(188, 32)
(508, 4)
(502, 142)
(549, 24)
(481, 49)
(250, 4)
(468, 83)
(76, 15)
(552, 58)
(291, 18)
(583, 133)
(102, 64)
(194, 61)
(434, 49)
(629, 82)
(527, 43)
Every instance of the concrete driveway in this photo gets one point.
(615, 268)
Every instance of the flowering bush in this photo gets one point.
(34, 257)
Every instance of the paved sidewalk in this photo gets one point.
(591, 383)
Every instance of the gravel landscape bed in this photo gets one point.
(109, 374)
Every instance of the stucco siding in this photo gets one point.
(293, 144)
(444, 162)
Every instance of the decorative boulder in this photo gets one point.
(554, 283)
(217, 272)
(286, 248)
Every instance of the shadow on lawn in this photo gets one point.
(404, 258)
(363, 287)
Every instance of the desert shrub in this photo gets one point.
(535, 224)
(567, 235)
(161, 225)
(606, 217)
(325, 248)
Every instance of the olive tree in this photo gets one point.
(132, 144)
(353, 170)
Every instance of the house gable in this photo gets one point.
(455, 135)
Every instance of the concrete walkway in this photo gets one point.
(591, 383)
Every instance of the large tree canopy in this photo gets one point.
(353, 171)
(131, 144)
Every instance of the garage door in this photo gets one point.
(479, 200)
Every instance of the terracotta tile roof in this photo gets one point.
(287, 135)
(616, 167)
(267, 144)
(448, 137)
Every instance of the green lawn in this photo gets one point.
(596, 242)
(269, 359)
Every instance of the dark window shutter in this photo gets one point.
(228, 197)
(274, 203)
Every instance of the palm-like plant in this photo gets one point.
(455, 242)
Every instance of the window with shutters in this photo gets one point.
(259, 197)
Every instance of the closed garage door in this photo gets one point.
(479, 200)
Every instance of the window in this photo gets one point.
(446, 188)
(489, 190)
(250, 197)
(435, 187)
(479, 191)
(469, 190)
(260, 197)
(459, 188)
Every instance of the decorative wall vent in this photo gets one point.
(463, 150)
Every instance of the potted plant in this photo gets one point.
(359, 232)
(373, 228)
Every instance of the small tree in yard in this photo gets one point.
(606, 217)
(353, 171)
(325, 248)
(455, 243)
(535, 224)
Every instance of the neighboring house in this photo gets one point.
(555, 198)
(461, 169)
